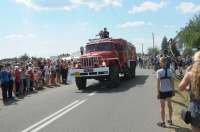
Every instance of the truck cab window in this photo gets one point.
(91, 48)
(105, 46)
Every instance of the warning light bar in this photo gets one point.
(99, 40)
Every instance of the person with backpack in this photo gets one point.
(165, 90)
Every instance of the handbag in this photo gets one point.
(186, 115)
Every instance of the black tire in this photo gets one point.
(81, 82)
(133, 70)
(127, 73)
(114, 76)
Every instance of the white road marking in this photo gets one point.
(40, 122)
(93, 93)
(58, 116)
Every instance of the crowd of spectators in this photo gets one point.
(174, 63)
(23, 77)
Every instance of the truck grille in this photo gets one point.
(89, 61)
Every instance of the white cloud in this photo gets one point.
(168, 26)
(84, 24)
(70, 4)
(26, 21)
(20, 36)
(147, 6)
(15, 36)
(46, 26)
(150, 23)
(30, 4)
(131, 24)
(188, 7)
(48, 42)
(134, 24)
(31, 36)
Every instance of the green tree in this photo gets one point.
(174, 50)
(152, 51)
(164, 44)
(24, 57)
(190, 35)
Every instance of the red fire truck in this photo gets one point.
(105, 59)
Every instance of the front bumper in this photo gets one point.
(90, 72)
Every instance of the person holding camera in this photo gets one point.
(192, 79)
(165, 90)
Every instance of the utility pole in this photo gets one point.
(153, 40)
(142, 48)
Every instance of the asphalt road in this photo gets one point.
(132, 107)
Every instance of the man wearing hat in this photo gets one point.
(105, 33)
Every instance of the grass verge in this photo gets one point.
(178, 102)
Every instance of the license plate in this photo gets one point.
(77, 74)
(88, 70)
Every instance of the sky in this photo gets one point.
(44, 28)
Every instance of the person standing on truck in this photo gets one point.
(105, 33)
(100, 34)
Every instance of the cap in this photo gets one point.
(16, 67)
(29, 68)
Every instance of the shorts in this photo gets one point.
(164, 95)
(47, 77)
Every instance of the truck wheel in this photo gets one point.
(114, 76)
(127, 73)
(81, 82)
(133, 71)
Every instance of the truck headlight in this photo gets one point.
(104, 63)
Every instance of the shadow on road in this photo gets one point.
(11, 102)
(102, 87)
(177, 128)
(177, 92)
(181, 104)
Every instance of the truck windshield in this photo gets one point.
(91, 48)
(100, 47)
(105, 46)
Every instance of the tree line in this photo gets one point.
(189, 36)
